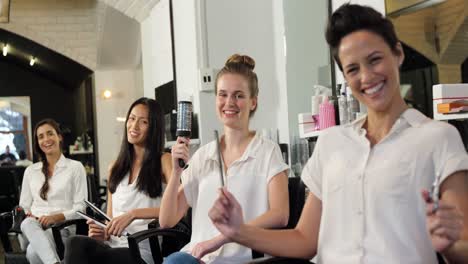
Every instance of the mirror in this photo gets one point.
(15, 125)
(307, 64)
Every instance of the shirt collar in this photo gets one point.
(62, 162)
(412, 116)
(250, 151)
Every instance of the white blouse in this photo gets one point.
(126, 198)
(372, 209)
(247, 179)
(67, 189)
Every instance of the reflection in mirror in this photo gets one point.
(15, 125)
(307, 64)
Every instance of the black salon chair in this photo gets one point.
(296, 202)
(173, 239)
(11, 178)
(80, 225)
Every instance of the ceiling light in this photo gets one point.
(32, 61)
(5, 49)
(106, 94)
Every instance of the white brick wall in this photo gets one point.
(70, 27)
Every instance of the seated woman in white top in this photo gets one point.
(136, 183)
(254, 171)
(52, 191)
(368, 180)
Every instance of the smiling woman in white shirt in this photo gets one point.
(253, 167)
(52, 191)
(136, 182)
(369, 180)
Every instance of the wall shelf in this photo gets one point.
(312, 134)
(438, 116)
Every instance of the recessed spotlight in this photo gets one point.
(107, 94)
(5, 49)
(32, 61)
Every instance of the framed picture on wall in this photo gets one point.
(4, 11)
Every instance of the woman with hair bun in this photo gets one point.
(253, 167)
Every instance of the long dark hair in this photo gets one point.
(42, 155)
(149, 179)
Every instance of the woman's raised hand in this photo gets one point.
(180, 151)
(226, 214)
(444, 223)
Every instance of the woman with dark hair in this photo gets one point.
(52, 191)
(253, 167)
(136, 183)
(369, 180)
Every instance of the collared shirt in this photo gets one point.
(67, 189)
(247, 179)
(372, 209)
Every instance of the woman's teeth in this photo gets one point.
(373, 90)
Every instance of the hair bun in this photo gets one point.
(241, 59)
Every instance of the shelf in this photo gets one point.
(438, 116)
(193, 141)
(312, 134)
(80, 152)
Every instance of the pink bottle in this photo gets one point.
(326, 114)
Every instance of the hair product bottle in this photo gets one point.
(327, 114)
(342, 104)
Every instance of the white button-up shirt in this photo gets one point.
(247, 179)
(67, 189)
(372, 209)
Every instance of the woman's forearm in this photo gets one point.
(145, 213)
(271, 219)
(169, 203)
(58, 217)
(281, 243)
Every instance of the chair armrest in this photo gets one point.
(178, 233)
(61, 225)
(80, 224)
(279, 260)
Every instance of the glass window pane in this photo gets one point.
(10, 120)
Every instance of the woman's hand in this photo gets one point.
(180, 151)
(444, 223)
(96, 232)
(46, 220)
(118, 224)
(226, 214)
(206, 247)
